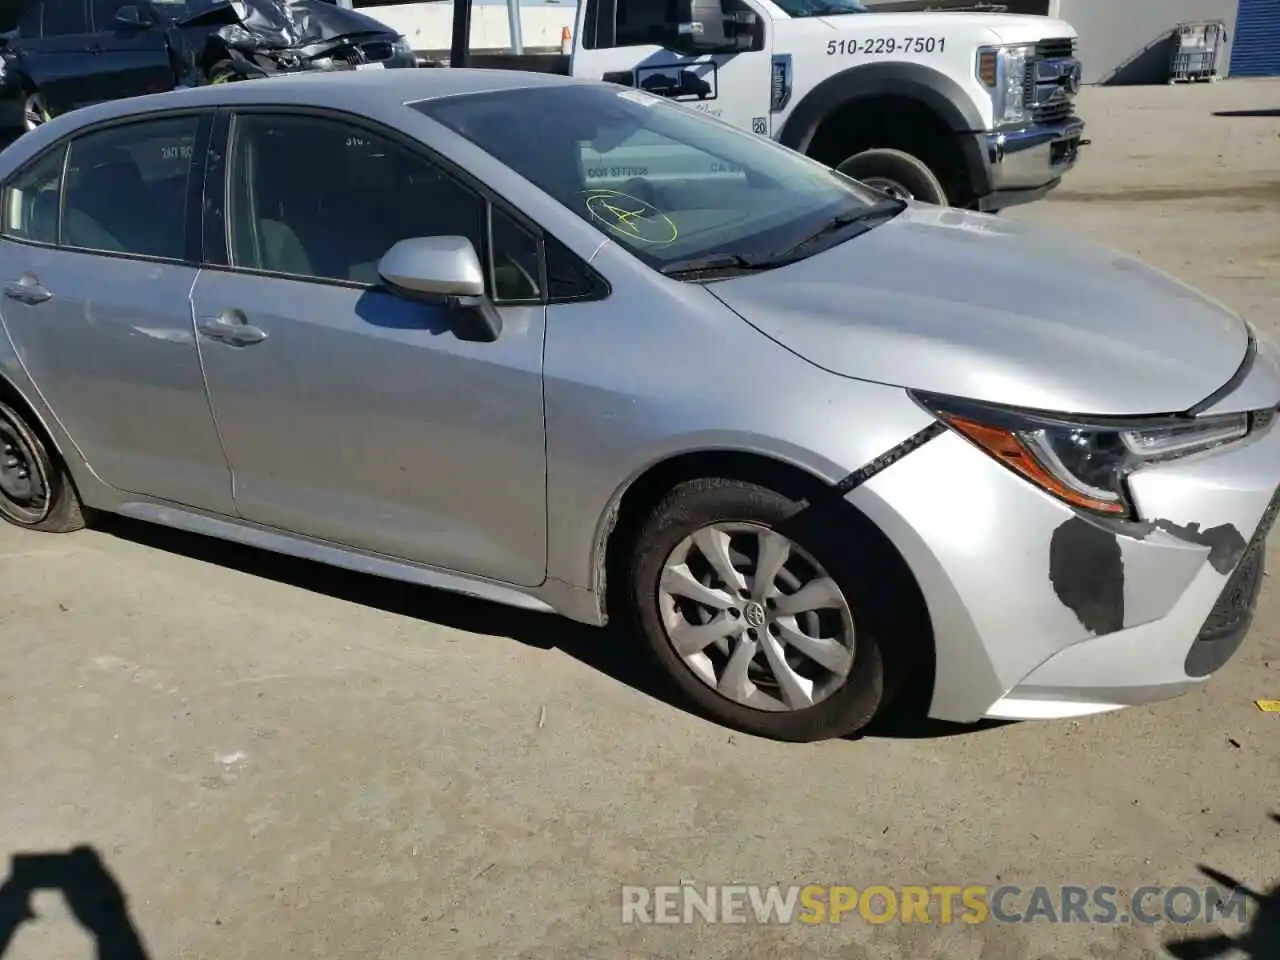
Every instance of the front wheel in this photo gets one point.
(896, 173)
(758, 613)
(224, 71)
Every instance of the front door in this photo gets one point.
(98, 308)
(353, 415)
(734, 87)
(132, 59)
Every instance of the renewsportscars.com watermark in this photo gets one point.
(946, 904)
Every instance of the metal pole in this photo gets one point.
(513, 18)
(461, 33)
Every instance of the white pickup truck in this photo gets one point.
(965, 109)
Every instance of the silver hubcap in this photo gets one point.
(891, 187)
(756, 618)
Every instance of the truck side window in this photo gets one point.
(644, 22)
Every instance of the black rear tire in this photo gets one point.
(36, 492)
(896, 172)
(873, 678)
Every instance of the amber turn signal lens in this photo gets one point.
(987, 67)
(1009, 450)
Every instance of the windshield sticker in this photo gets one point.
(636, 96)
(630, 217)
(871, 46)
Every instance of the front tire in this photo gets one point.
(224, 71)
(36, 492)
(763, 618)
(896, 173)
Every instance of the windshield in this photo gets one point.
(820, 8)
(665, 181)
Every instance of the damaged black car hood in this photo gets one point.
(280, 24)
(265, 23)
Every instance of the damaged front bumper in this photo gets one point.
(1040, 611)
(247, 61)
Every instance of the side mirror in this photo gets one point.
(700, 27)
(444, 268)
(130, 16)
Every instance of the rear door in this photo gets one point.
(61, 64)
(132, 59)
(97, 303)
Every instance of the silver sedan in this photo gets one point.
(568, 346)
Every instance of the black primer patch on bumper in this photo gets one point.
(888, 458)
(1087, 573)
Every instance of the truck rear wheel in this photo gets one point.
(896, 173)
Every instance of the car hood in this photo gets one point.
(991, 309)
(279, 24)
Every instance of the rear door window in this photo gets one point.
(65, 17)
(127, 188)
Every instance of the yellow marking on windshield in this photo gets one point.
(631, 217)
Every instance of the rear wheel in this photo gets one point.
(896, 173)
(35, 490)
(759, 614)
(35, 110)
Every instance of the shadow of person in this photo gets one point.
(91, 892)
(1261, 941)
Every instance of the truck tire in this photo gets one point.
(896, 173)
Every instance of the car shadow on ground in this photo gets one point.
(613, 651)
(1260, 941)
(92, 894)
(1260, 112)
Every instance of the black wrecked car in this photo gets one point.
(61, 54)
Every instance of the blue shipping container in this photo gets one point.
(1255, 50)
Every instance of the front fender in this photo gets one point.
(930, 87)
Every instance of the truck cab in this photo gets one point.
(973, 110)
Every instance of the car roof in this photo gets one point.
(344, 88)
(354, 91)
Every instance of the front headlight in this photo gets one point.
(1003, 71)
(1085, 462)
(401, 48)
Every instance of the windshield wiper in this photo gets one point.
(881, 210)
(721, 261)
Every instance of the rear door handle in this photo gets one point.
(27, 289)
(231, 326)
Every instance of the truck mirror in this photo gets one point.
(700, 27)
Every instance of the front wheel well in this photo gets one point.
(901, 123)
(648, 490)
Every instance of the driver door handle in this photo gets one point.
(27, 289)
(231, 327)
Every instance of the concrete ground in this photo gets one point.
(277, 759)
